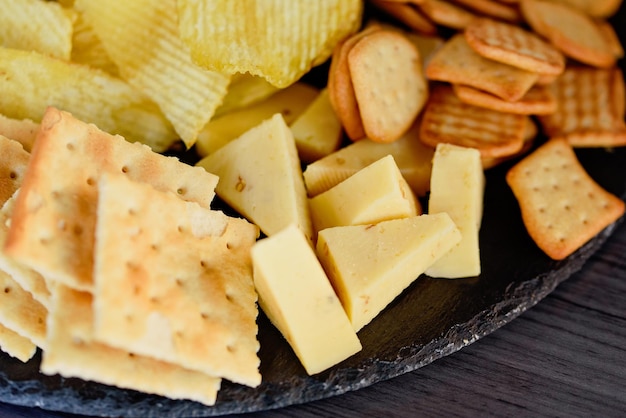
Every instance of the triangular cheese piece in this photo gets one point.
(370, 265)
(261, 178)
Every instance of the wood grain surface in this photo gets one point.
(565, 357)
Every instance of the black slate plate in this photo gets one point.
(431, 319)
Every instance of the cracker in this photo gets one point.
(13, 162)
(513, 45)
(389, 84)
(27, 278)
(54, 216)
(594, 8)
(72, 352)
(20, 312)
(538, 100)
(611, 38)
(408, 14)
(23, 131)
(562, 206)
(341, 90)
(576, 34)
(15, 345)
(456, 62)
(530, 134)
(447, 14)
(492, 8)
(181, 292)
(590, 107)
(448, 120)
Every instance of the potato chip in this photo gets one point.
(225, 35)
(35, 25)
(152, 58)
(30, 82)
(88, 49)
(244, 90)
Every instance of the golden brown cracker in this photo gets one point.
(189, 297)
(340, 88)
(456, 62)
(54, 215)
(447, 14)
(492, 8)
(448, 120)
(562, 206)
(590, 107)
(513, 45)
(13, 162)
(389, 84)
(72, 352)
(23, 131)
(15, 345)
(539, 100)
(576, 34)
(407, 14)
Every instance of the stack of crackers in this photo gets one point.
(513, 72)
(114, 264)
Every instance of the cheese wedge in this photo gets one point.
(317, 130)
(297, 297)
(370, 265)
(261, 178)
(457, 187)
(374, 194)
(412, 157)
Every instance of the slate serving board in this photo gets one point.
(431, 319)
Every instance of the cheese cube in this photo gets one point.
(370, 265)
(376, 193)
(317, 130)
(297, 297)
(261, 178)
(411, 155)
(457, 188)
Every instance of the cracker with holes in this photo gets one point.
(448, 120)
(456, 62)
(71, 351)
(513, 45)
(389, 85)
(590, 107)
(173, 281)
(54, 216)
(562, 206)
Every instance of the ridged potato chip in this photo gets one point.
(35, 25)
(30, 82)
(141, 37)
(279, 40)
(88, 49)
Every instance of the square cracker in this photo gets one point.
(456, 62)
(590, 107)
(446, 119)
(562, 206)
(54, 216)
(13, 163)
(72, 352)
(173, 281)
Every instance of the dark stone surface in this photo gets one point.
(431, 319)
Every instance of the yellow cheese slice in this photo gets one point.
(370, 265)
(457, 188)
(376, 193)
(297, 297)
(261, 178)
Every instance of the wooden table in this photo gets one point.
(564, 357)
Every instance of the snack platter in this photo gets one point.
(429, 320)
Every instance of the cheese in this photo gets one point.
(412, 157)
(457, 188)
(370, 265)
(376, 193)
(317, 130)
(290, 102)
(261, 178)
(297, 297)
